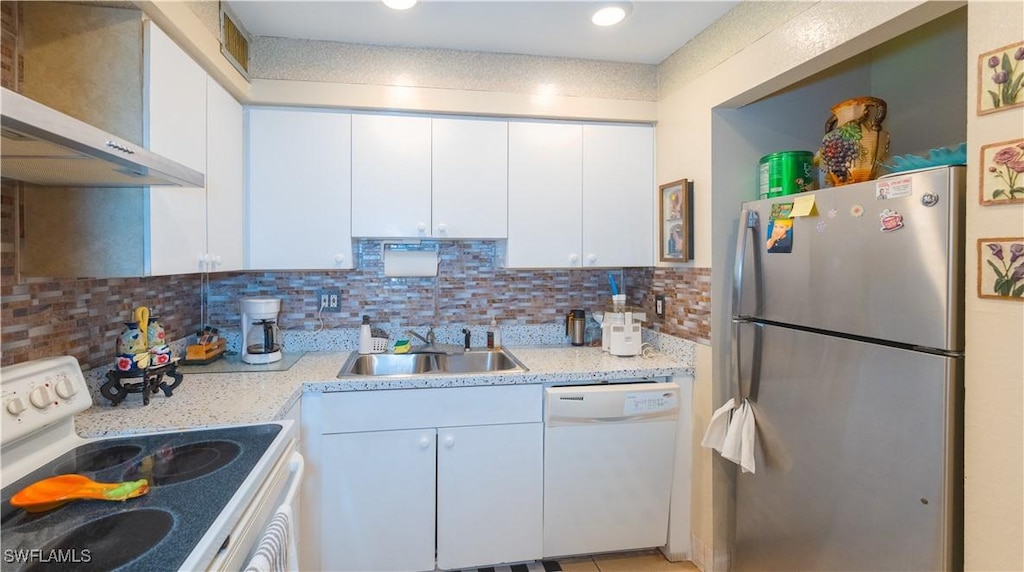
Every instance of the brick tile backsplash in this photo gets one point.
(469, 289)
(687, 294)
(44, 316)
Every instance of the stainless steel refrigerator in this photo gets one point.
(848, 340)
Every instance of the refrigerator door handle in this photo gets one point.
(749, 221)
(755, 361)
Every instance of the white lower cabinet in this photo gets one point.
(410, 479)
(378, 500)
(490, 482)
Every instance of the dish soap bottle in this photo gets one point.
(495, 335)
(365, 337)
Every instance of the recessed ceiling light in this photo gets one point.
(399, 4)
(611, 14)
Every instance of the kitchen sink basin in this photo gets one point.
(395, 365)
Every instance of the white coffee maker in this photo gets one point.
(261, 338)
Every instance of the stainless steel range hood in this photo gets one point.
(43, 146)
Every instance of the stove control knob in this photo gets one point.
(16, 406)
(40, 397)
(65, 389)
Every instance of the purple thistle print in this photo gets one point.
(1007, 79)
(997, 250)
(1016, 251)
(1008, 278)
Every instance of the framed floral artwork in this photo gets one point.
(1001, 268)
(675, 211)
(1001, 79)
(1002, 173)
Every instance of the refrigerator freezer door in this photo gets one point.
(846, 274)
(857, 458)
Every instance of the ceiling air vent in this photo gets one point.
(234, 41)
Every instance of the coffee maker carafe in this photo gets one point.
(261, 338)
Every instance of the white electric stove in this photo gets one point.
(212, 491)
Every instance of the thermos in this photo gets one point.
(575, 326)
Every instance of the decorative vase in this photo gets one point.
(132, 353)
(155, 333)
(854, 143)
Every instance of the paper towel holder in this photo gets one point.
(406, 259)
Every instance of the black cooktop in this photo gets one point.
(192, 476)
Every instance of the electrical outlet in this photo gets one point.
(327, 300)
(659, 305)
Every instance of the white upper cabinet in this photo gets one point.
(299, 190)
(470, 178)
(175, 126)
(618, 195)
(544, 195)
(391, 176)
(225, 180)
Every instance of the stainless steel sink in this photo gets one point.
(396, 365)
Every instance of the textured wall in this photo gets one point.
(308, 60)
(469, 289)
(994, 329)
(734, 31)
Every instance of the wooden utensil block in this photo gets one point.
(205, 352)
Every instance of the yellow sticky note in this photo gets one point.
(803, 206)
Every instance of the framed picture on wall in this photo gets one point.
(1001, 79)
(1002, 173)
(675, 215)
(1001, 268)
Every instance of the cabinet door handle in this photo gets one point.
(421, 227)
(339, 258)
(449, 441)
(592, 258)
(573, 257)
(442, 227)
(424, 442)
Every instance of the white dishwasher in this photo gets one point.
(608, 461)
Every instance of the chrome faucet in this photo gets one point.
(429, 340)
(430, 345)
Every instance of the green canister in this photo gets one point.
(785, 173)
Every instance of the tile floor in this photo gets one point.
(637, 561)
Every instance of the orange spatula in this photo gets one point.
(53, 492)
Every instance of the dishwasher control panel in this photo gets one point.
(611, 403)
(650, 402)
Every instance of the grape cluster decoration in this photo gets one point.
(840, 148)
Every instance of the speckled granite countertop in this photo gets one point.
(204, 400)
